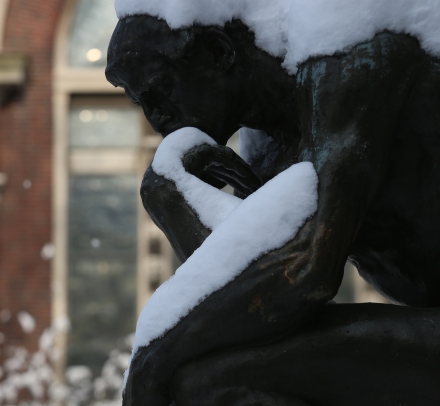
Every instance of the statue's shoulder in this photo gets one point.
(386, 53)
(327, 27)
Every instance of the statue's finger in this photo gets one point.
(247, 184)
(236, 164)
(232, 182)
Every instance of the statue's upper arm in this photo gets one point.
(361, 92)
(350, 105)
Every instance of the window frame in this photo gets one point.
(68, 83)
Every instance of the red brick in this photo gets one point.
(26, 153)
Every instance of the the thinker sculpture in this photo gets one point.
(368, 118)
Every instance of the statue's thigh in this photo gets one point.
(227, 379)
(362, 355)
(236, 378)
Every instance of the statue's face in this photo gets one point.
(174, 91)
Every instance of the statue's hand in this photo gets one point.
(218, 165)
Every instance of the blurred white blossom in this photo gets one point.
(34, 373)
(48, 251)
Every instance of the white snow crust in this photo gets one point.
(264, 221)
(298, 29)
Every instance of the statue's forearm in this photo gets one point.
(172, 214)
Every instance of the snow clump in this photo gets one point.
(298, 29)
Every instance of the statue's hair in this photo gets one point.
(298, 29)
(263, 17)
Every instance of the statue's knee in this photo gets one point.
(194, 385)
(205, 382)
(246, 397)
(187, 384)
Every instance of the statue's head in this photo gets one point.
(209, 77)
(180, 78)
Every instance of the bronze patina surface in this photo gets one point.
(369, 121)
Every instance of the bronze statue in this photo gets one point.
(369, 121)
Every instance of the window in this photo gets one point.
(104, 139)
(110, 255)
(93, 24)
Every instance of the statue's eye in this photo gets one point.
(165, 88)
(156, 78)
(128, 62)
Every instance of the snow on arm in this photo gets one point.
(210, 204)
(280, 208)
(298, 29)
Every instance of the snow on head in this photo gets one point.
(280, 208)
(297, 29)
(265, 18)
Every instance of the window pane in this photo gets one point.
(105, 127)
(102, 265)
(92, 28)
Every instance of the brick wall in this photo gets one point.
(26, 155)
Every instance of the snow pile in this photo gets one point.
(280, 208)
(297, 29)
